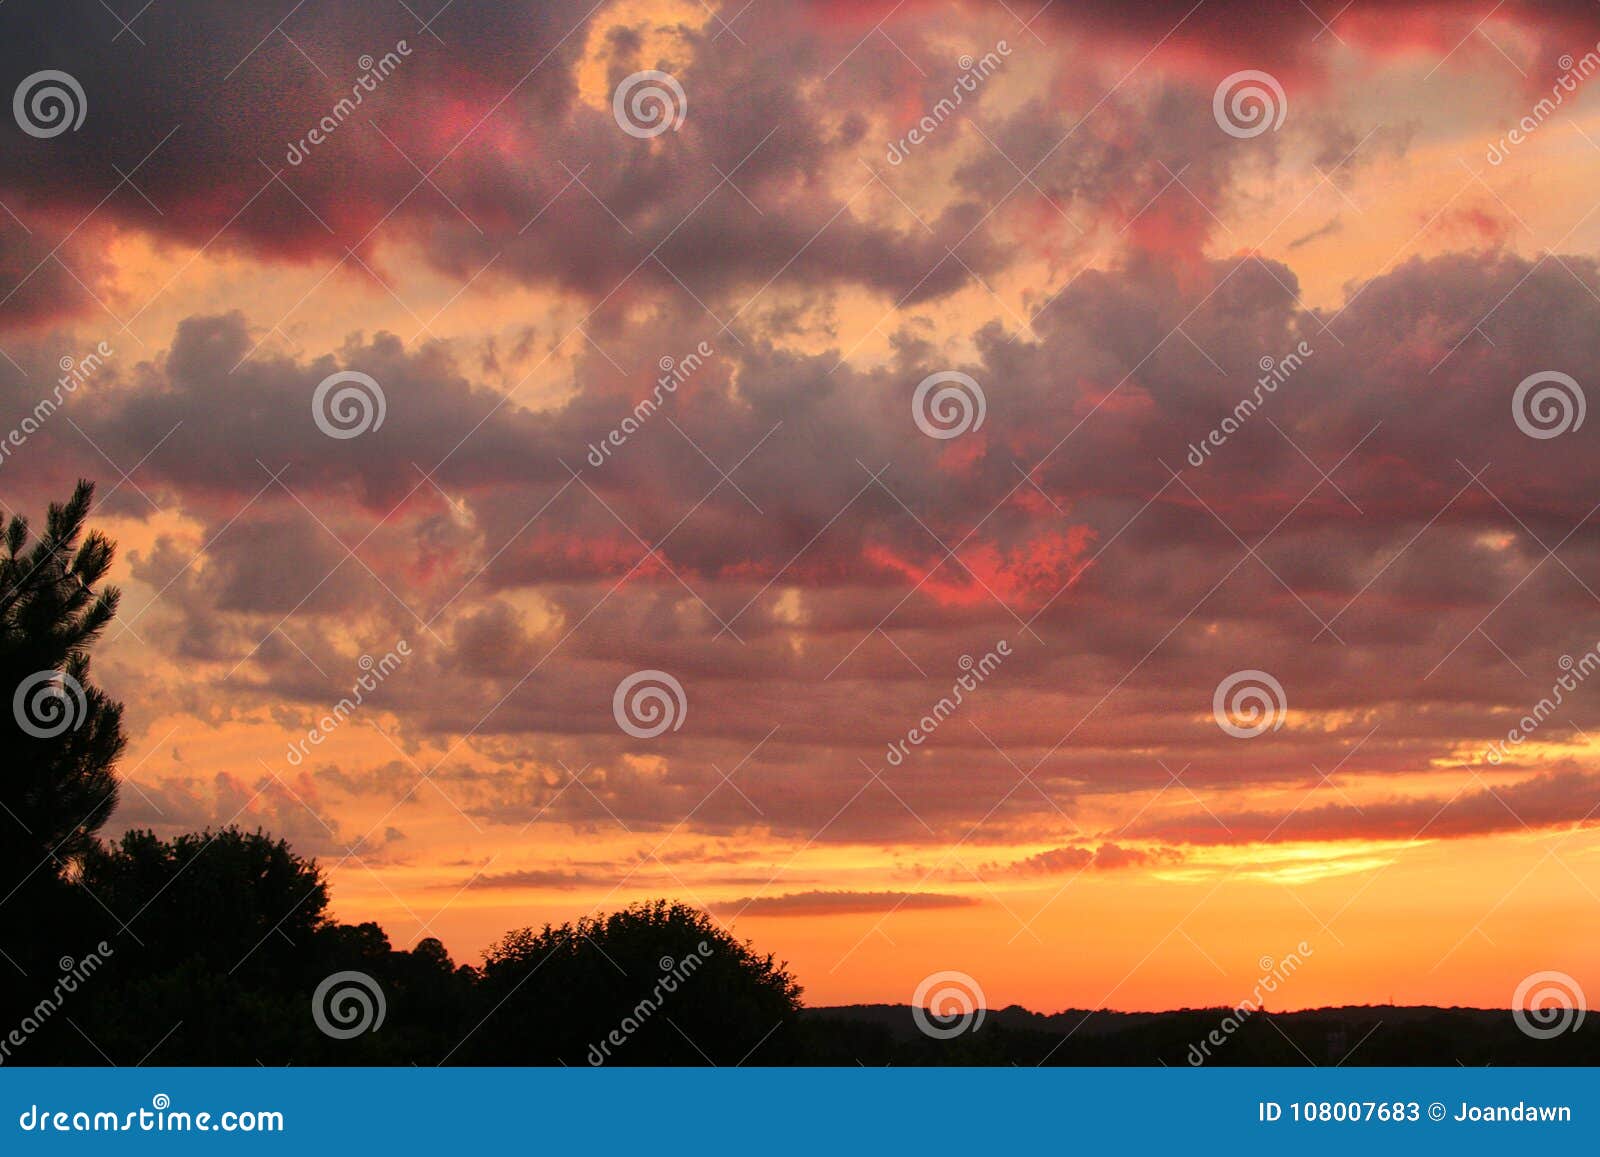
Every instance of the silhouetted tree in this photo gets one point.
(60, 734)
(655, 984)
(242, 901)
(226, 943)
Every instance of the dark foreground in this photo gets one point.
(879, 1034)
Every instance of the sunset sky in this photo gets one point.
(1113, 254)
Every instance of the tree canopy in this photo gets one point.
(62, 733)
(215, 947)
(658, 983)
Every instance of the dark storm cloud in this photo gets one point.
(1383, 610)
(1238, 33)
(472, 146)
(779, 534)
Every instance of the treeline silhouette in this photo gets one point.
(217, 947)
(1362, 1035)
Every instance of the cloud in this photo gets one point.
(779, 533)
(289, 807)
(1058, 861)
(1181, 34)
(1555, 799)
(834, 903)
(1332, 226)
(558, 879)
(839, 612)
(473, 148)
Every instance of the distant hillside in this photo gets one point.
(1353, 1035)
